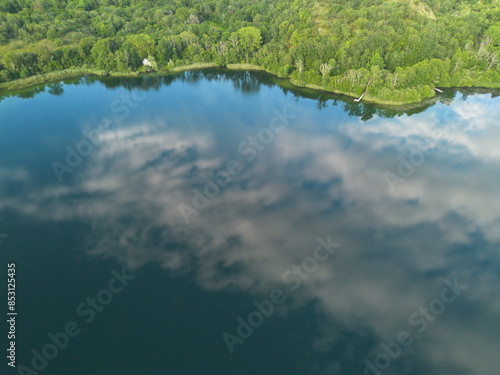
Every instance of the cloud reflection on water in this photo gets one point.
(397, 247)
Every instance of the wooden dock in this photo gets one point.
(438, 90)
(359, 99)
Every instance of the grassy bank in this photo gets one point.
(23, 83)
(246, 67)
(252, 67)
(366, 98)
(195, 66)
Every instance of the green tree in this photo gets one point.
(144, 44)
(103, 54)
(121, 59)
(377, 60)
(250, 39)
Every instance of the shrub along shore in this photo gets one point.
(25, 83)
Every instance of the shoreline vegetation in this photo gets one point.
(57, 76)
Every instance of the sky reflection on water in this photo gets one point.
(324, 174)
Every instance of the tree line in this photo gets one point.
(394, 51)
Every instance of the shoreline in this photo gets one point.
(12, 87)
(25, 83)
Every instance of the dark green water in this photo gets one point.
(217, 192)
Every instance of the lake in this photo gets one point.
(218, 222)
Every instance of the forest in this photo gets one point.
(394, 51)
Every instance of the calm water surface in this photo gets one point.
(265, 231)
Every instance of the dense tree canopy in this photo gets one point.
(395, 51)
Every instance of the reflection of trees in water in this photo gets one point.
(193, 76)
(55, 89)
(364, 112)
(25, 94)
(322, 103)
(243, 81)
(251, 82)
(143, 82)
(246, 83)
(466, 92)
